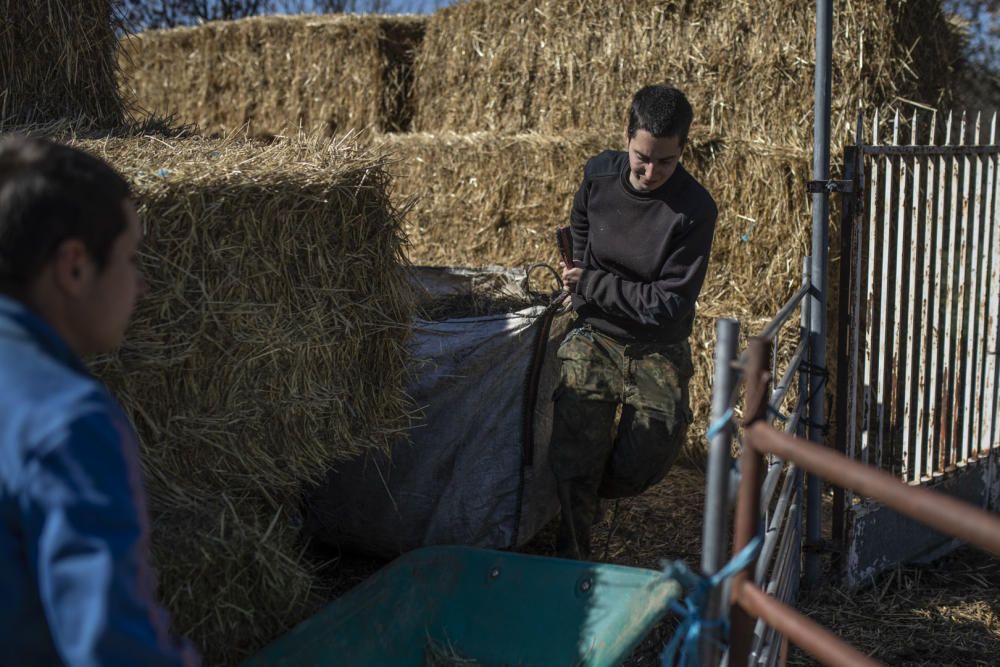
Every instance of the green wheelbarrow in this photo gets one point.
(466, 606)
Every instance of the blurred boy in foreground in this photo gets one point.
(77, 588)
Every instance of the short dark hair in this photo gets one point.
(50, 193)
(661, 110)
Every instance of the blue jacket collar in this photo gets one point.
(17, 321)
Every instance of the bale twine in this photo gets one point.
(747, 65)
(57, 61)
(277, 74)
(271, 345)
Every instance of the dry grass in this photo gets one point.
(57, 60)
(277, 74)
(747, 65)
(271, 345)
(947, 613)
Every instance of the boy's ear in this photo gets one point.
(72, 266)
(625, 137)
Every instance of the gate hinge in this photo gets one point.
(816, 187)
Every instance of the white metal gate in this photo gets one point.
(920, 298)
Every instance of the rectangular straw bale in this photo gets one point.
(747, 65)
(272, 341)
(485, 198)
(57, 61)
(271, 345)
(277, 74)
(232, 571)
(497, 199)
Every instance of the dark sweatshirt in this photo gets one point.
(644, 254)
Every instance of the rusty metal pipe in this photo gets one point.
(805, 633)
(933, 508)
(748, 500)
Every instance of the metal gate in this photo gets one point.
(917, 389)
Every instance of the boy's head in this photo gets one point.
(658, 124)
(661, 110)
(69, 235)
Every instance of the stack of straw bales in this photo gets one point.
(511, 97)
(57, 60)
(747, 65)
(271, 346)
(277, 74)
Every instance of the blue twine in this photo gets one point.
(683, 647)
(719, 424)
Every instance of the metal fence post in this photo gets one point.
(715, 529)
(820, 252)
(846, 320)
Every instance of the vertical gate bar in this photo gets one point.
(975, 303)
(858, 319)
(774, 578)
(981, 407)
(897, 458)
(912, 299)
(928, 225)
(845, 327)
(949, 175)
(962, 339)
(820, 251)
(990, 277)
(936, 448)
(748, 504)
(954, 352)
(886, 310)
(859, 325)
(993, 319)
(868, 406)
(716, 527)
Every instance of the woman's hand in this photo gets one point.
(570, 276)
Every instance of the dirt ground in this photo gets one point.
(947, 613)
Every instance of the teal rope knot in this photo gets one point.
(683, 647)
(722, 422)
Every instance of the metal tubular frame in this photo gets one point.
(818, 278)
(716, 527)
(939, 511)
(780, 564)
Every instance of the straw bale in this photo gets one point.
(277, 294)
(277, 74)
(271, 345)
(57, 60)
(747, 65)
(232, 571)
(496, 199)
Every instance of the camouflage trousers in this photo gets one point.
(593, 458)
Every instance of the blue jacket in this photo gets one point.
(75, 581)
